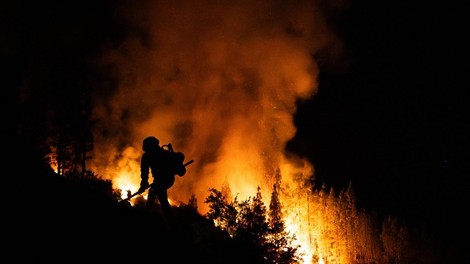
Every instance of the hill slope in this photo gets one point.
(56, 218)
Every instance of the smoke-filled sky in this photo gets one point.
(342, 91)
(220, 81)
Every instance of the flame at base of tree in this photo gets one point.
(315, 226)
(322, 228)
(328, 227)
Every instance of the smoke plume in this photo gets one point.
(220, 81)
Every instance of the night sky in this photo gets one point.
(396, 122)
(393, 117)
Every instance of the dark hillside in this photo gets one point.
(61, 218)
(55, 218)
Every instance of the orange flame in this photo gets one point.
(220, 82)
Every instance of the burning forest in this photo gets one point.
(221, 82)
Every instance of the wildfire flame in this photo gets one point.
(221, 83)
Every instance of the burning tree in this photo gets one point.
(248, 223)
(327, 228)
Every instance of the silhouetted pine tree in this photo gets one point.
(193, 202)
(70, 135)
(223, 213)
(279, 244)
(262, 240)
(252, 227)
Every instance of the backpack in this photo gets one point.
(175, 161)
(174, 165)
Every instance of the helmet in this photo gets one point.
(150, 143)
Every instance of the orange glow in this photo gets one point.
(51, 159)
(222, 87)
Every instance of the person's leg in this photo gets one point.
(152, 195)
(166, 207)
